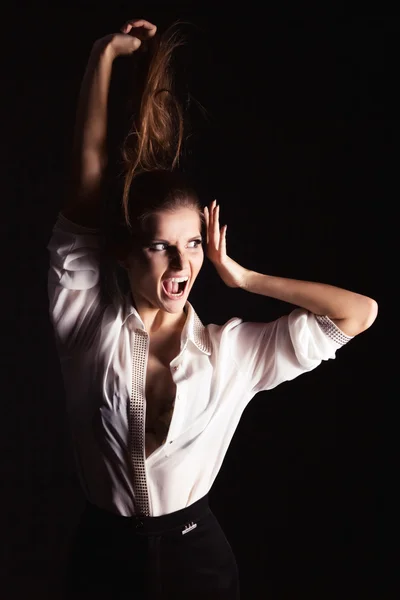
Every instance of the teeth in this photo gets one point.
(178, 279)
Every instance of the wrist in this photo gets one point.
(254, 281)
(103, 49)
(246, 278)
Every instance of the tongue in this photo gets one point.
(172, 287)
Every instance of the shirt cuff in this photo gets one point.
(332, 330)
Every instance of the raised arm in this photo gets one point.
(89, 154)
(353, 313)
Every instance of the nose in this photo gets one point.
(177, 259)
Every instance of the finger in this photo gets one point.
(215, 229)
(136, 23)
(212, 223)
(207, 219)
(126, 27)
(222, 248)
(210, 212)
(142, 23)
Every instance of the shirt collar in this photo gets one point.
(193, 329)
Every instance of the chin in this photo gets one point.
(174, 306)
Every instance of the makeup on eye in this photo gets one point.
(161, 245)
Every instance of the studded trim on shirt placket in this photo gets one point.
(201, 335)
(137, 419)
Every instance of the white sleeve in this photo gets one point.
(271, 353)
(74, 282)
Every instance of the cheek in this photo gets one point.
(198, 262)
(146, 270)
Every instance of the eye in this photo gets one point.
(194, 243)
(158, 247)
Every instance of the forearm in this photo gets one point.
(91, 116)
(352, 312)
(89, 153)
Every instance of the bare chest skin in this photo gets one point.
(160, 390)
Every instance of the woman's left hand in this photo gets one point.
(230, 271)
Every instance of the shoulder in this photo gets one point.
(216, 331)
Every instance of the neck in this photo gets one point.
(156, 319)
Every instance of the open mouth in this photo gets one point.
(175, 287)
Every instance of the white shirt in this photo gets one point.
(103, 351)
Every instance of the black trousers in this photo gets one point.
(179, 556)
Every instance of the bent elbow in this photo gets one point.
(368, 315)
(372, 312)
(364, 314)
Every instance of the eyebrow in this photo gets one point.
(160, 241)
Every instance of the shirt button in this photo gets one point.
(176, 367)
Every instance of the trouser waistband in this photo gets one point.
(184, 518)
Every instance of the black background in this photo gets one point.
(299, 146)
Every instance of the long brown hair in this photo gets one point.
(154, 141)
(151, 149)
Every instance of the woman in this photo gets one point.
(154, 396)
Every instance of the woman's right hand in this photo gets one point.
(133, 33)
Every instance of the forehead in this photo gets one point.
(181, 222)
